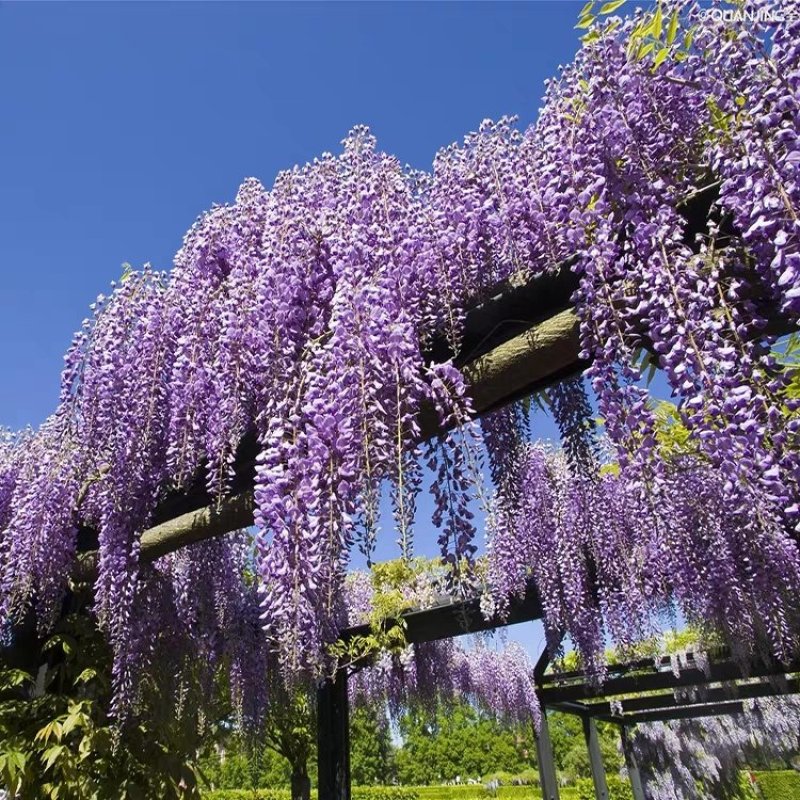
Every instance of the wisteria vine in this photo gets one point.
(304, 317)
(701, 759)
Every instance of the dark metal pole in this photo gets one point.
(595, 758)
(333, 739)
(544, 758)
(633, 767)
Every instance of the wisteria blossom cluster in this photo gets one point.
(303, 318)
(701, 759)
(196, 618)
(629, 143)
(498, 680)
(609, 560)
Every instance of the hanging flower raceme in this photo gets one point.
(608, 560)
(703, 758)
(300, 322)
(500, 681)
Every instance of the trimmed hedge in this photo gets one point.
(779, 785)
(384, 793)
(478, 792)
(462, 792)
(248, 794)
(618, 789)
(359, 793)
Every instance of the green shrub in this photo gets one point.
(479, 792)
(618, 789)
(248, 794)
(779, 785)
(359, 793)
(461, 792)
(385, 793)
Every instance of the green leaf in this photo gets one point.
(651, 372)
(52, 754)
(16, 677)
(585, 22)
(645, 50)
(672, 30)
(658, 23)
(586, 9)
(611, 7)
(87, 675)
(53, 728)
(66, 642)
(661, 56)
(75, 720)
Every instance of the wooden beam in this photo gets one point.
(663, 680)
(542, 353)
(595, 758)
(457, 618)
(634, 775)
(739, 691)
(333, 739)
(687, 712)
(548, 780)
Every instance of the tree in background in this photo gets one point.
(569, 747)
(372, 755)
(459, 741)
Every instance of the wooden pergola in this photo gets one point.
(645, 690)
(658, 690)
(443, 621)
(522, 339)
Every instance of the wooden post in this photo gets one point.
(333, 739)
(544, 758)
(633, 767)
(595, 758)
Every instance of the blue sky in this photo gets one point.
(122, 122)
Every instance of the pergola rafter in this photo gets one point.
(663, 691)
(519, 341)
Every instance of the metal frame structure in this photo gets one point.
(646, 690)
(443, 621)
(658, 690)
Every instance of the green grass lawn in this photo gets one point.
(779, 785)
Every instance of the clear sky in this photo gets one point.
(121, 122)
